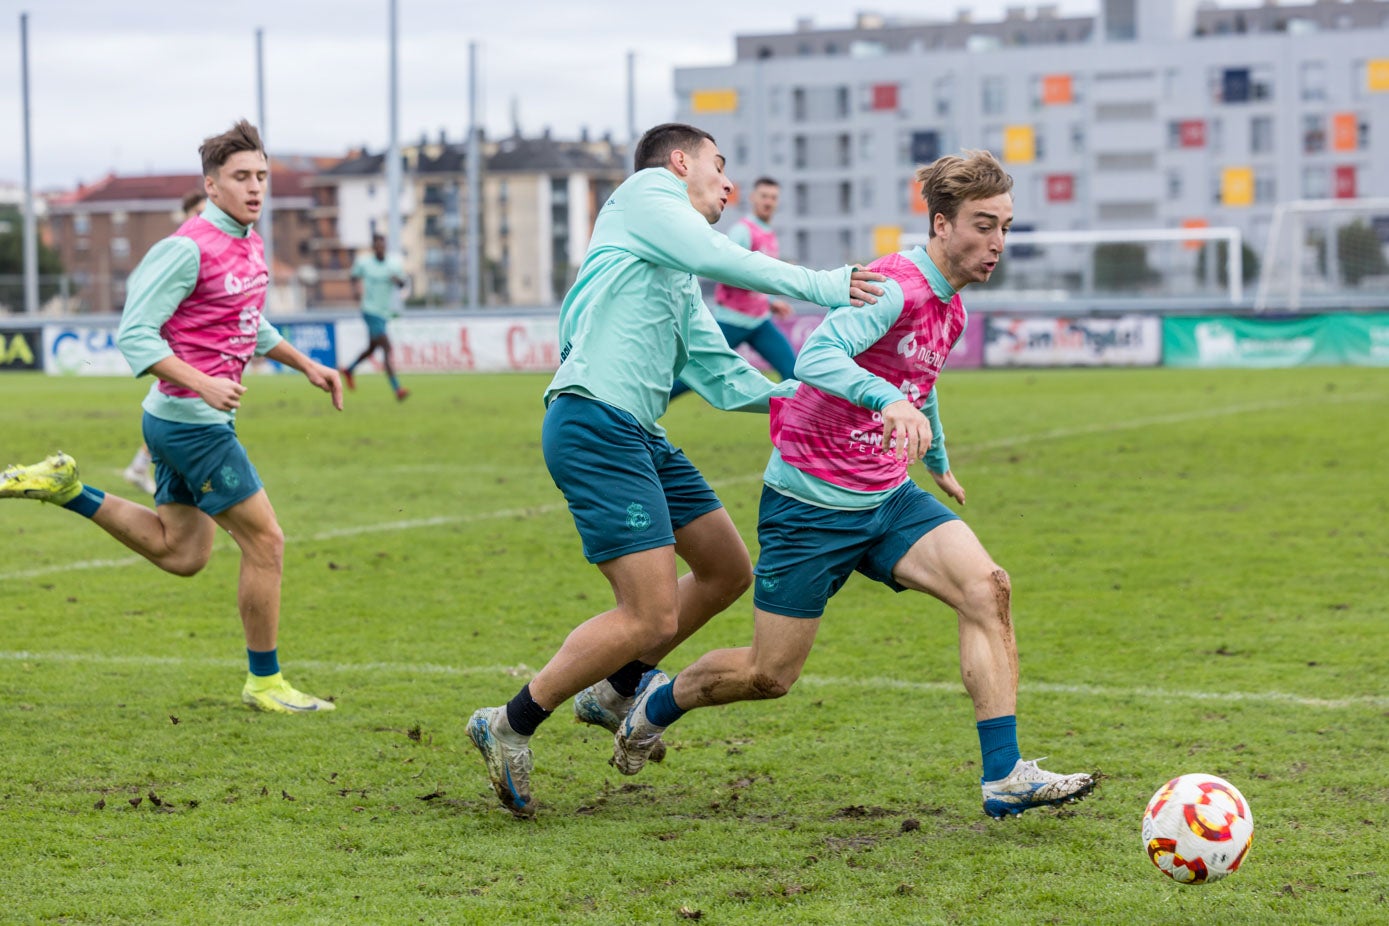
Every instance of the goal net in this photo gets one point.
(1325, 253)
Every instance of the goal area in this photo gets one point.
(1325, 254)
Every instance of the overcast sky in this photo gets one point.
(133, 86)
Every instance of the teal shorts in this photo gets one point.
(809, 552)
(202, 465)
(627, 489)
(376, 325)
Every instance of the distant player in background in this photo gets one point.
(193, 319)
(744, 316)
(631, 323)
(140, 471)
(375, 277)
(838, 498)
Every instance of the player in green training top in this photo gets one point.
(375, 278)
(634, 321)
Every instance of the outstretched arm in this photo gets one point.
(721, 375)
(664, 229)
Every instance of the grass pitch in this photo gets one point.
(1200, 563)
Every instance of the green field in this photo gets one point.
(1200, 563)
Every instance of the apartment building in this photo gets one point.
(1151, 114)
(539, 198)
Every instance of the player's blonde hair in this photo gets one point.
(949, 181)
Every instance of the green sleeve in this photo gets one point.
(164, 278)
(937, 461)
(664, 229)
(267, 337)
(826, 360)
(721, 375)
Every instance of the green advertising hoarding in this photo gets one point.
(1319, 340)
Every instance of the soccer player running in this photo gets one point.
(745, 316)
(374, 278)
(193, 320)
(632, 322)
(838, 498)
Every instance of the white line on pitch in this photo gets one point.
(440, 520)
(811, 681)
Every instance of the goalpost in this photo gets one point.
(1142, 261)
(1325, 252)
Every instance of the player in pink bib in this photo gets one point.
(193, 319)
(838, 498)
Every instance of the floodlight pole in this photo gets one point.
(474, 171)
(266, 225)
(631, 107)
(31, 240)
(393, 178)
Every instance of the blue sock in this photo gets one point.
(395, 383)
(263, 663)
(998, 741)
(661, 708)
(87, 502)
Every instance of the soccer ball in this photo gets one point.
(1197, 829)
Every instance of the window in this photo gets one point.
(865, 146)
(1078, 138)
(120, 248)
(802, 199)
(944, 91)
(798, 104)
(846, 244)
(845, 150)
(1261, 134)
(798, 146)
(1315, 182)
(1174, 184)
(1242, 84)
(846, 198)
(118, 219)
(1186, 133)
(1313, 134)
(1265, 190)
(82, 224)
(1313, 81)
(865, 194)
(994, 99)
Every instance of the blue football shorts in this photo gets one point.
(628, 490)
(809, 552)
(203, 465)
(376, 325)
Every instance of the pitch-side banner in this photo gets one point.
(21, 349)
(481, 345)
(1317, 340)
(1047, 341)
(82, 351)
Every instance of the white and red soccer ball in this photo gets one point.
(1197, 829)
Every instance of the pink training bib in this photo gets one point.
(214, 329)
(840, 442)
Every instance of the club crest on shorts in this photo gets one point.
(230, 479)
(637, 518)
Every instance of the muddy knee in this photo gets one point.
(766, 687)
